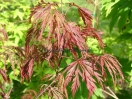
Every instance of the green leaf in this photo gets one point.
(123, 18)
(19, 14)
(131, 15)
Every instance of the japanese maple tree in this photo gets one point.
(46, 41)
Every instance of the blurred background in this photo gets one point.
(112, 17)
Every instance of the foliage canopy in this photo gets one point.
(54, 53)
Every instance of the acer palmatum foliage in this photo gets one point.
(52, 32)
(46, 40)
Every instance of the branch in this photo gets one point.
(46, 88)
(112, 95)
(61, 7)
(56, 78)
(7, 96)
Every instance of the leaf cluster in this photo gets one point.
(47, 39)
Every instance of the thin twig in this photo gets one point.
(67, 10)
(111, 91)
(46, 88)
(96, 12)
(61, 7)
(115, 97)
(7, 96)
(10, 91)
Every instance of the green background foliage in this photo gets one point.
(115, 20)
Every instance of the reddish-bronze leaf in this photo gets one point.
(71, 69)
(90, 82)
(94, 33)
(112, 65)
(76, 82)
(84, 69)
(93, 71)
(86, 16)
(4, 75)
(27, 69)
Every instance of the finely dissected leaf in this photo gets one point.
(75, 33)
(61, 86)
(56, 93)
(89, 69)
(76, 82)
(93, 71)
(27, 69)
(94, 33)
(29, 94)
(39, 17)
(12, 54)
(84, 69)
(71, 69)
(113, 66)
(90, 82)
(86, 16)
